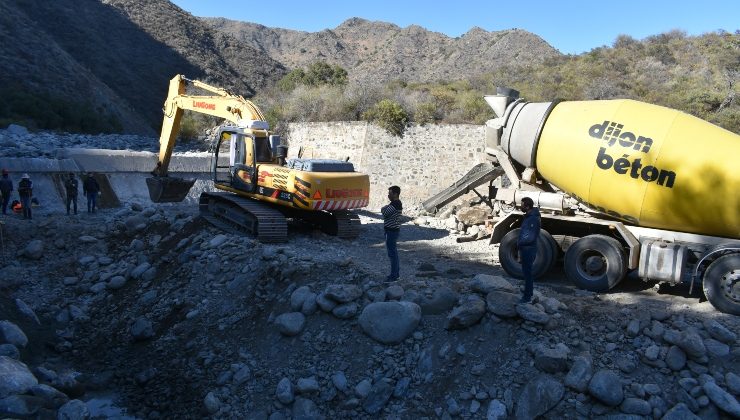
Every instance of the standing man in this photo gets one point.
(91, 189)
(392, 226)
(71, 186)
(527, 243)
(6, 187)
(25, 191)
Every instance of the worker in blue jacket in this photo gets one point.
(527, 244)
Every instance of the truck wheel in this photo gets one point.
(508, 254)
(721, 283)
(596, 263)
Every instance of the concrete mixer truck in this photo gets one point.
(624, 186)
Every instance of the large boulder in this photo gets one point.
(15, 378)
(538, 397)
(12, 334)
(343, 293)
(473, 215)
(580, 373)
(442, 300)
(502, 304)
(722, 399)
(390, 322)
(469, 312)
(485, 284)
(606, 386)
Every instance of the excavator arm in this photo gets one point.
(223, 104)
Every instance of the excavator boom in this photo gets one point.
(234, 108)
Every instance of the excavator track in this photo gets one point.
(347, 224)
(228, 211)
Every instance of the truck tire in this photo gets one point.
(596, 263)
(508, 254)
(721, 283)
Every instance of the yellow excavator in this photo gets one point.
(259, 187)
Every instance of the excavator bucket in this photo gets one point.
(168, 190)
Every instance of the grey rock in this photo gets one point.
(722, 398)
(345, 310)
(212, 403)
(443, 299)
(532, 313)
(390, 322)
(73, 410)
(680, 412)
(12, 334)
(343, 293)
(298, 296)
(539, 396)
(136, 245)
(485, 284)
(394, 292)
(52, 396)
(34, 250)
(217, 241)
(552, 360)
(692, 344)
(284, 391)
(720, 332)
(309, 304)
(633, 328)
(652, 389)
(27, 311)
(140, 269)
(580, 374)
(20, 406)
(326, 304)
(636, 406)
(305, 409)
(652, 352)
(362, 389)
(116, 282)
(502, 304)
(675, 359)
(15, 378)
(606, 386)
(716, 348)
(10, 350)
(551, 305)
(340, 381)
(401, 388)
(453, 408)
(660, 315)
(474, 406)
(98, 287)
(87, 239)
(471, 216)
(471, 310)
(496, 411)
(731, 379)
(307, 385)
(242, 375)
(379, 395)
(142, 329)
(291, 323)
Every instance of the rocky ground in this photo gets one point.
(167, 317)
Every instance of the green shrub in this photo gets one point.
(389, 115)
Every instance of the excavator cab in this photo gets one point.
(245, 149)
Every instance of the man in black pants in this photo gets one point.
(527, 243)
(392, 227)
(71, 186)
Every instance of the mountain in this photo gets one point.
(115, 57)
(378, 52)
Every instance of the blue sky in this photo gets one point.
(568, 25)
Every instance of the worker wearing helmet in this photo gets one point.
(71, 186)
(25, 191)
(6, 187)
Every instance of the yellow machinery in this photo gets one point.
(623, 186)
(260, 188)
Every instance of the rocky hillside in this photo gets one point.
(114, 57)
(380, 52)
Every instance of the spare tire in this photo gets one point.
(508, 254)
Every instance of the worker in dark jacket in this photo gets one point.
(6, 187)
(25, 191)
(71, 186)
(527, 244)
(91, 189)
(392, 227)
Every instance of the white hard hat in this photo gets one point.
(25, 176)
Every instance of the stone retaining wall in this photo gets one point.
(424, 161)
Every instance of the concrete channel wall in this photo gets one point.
(121, 175)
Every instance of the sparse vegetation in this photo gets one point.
(388, 114)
